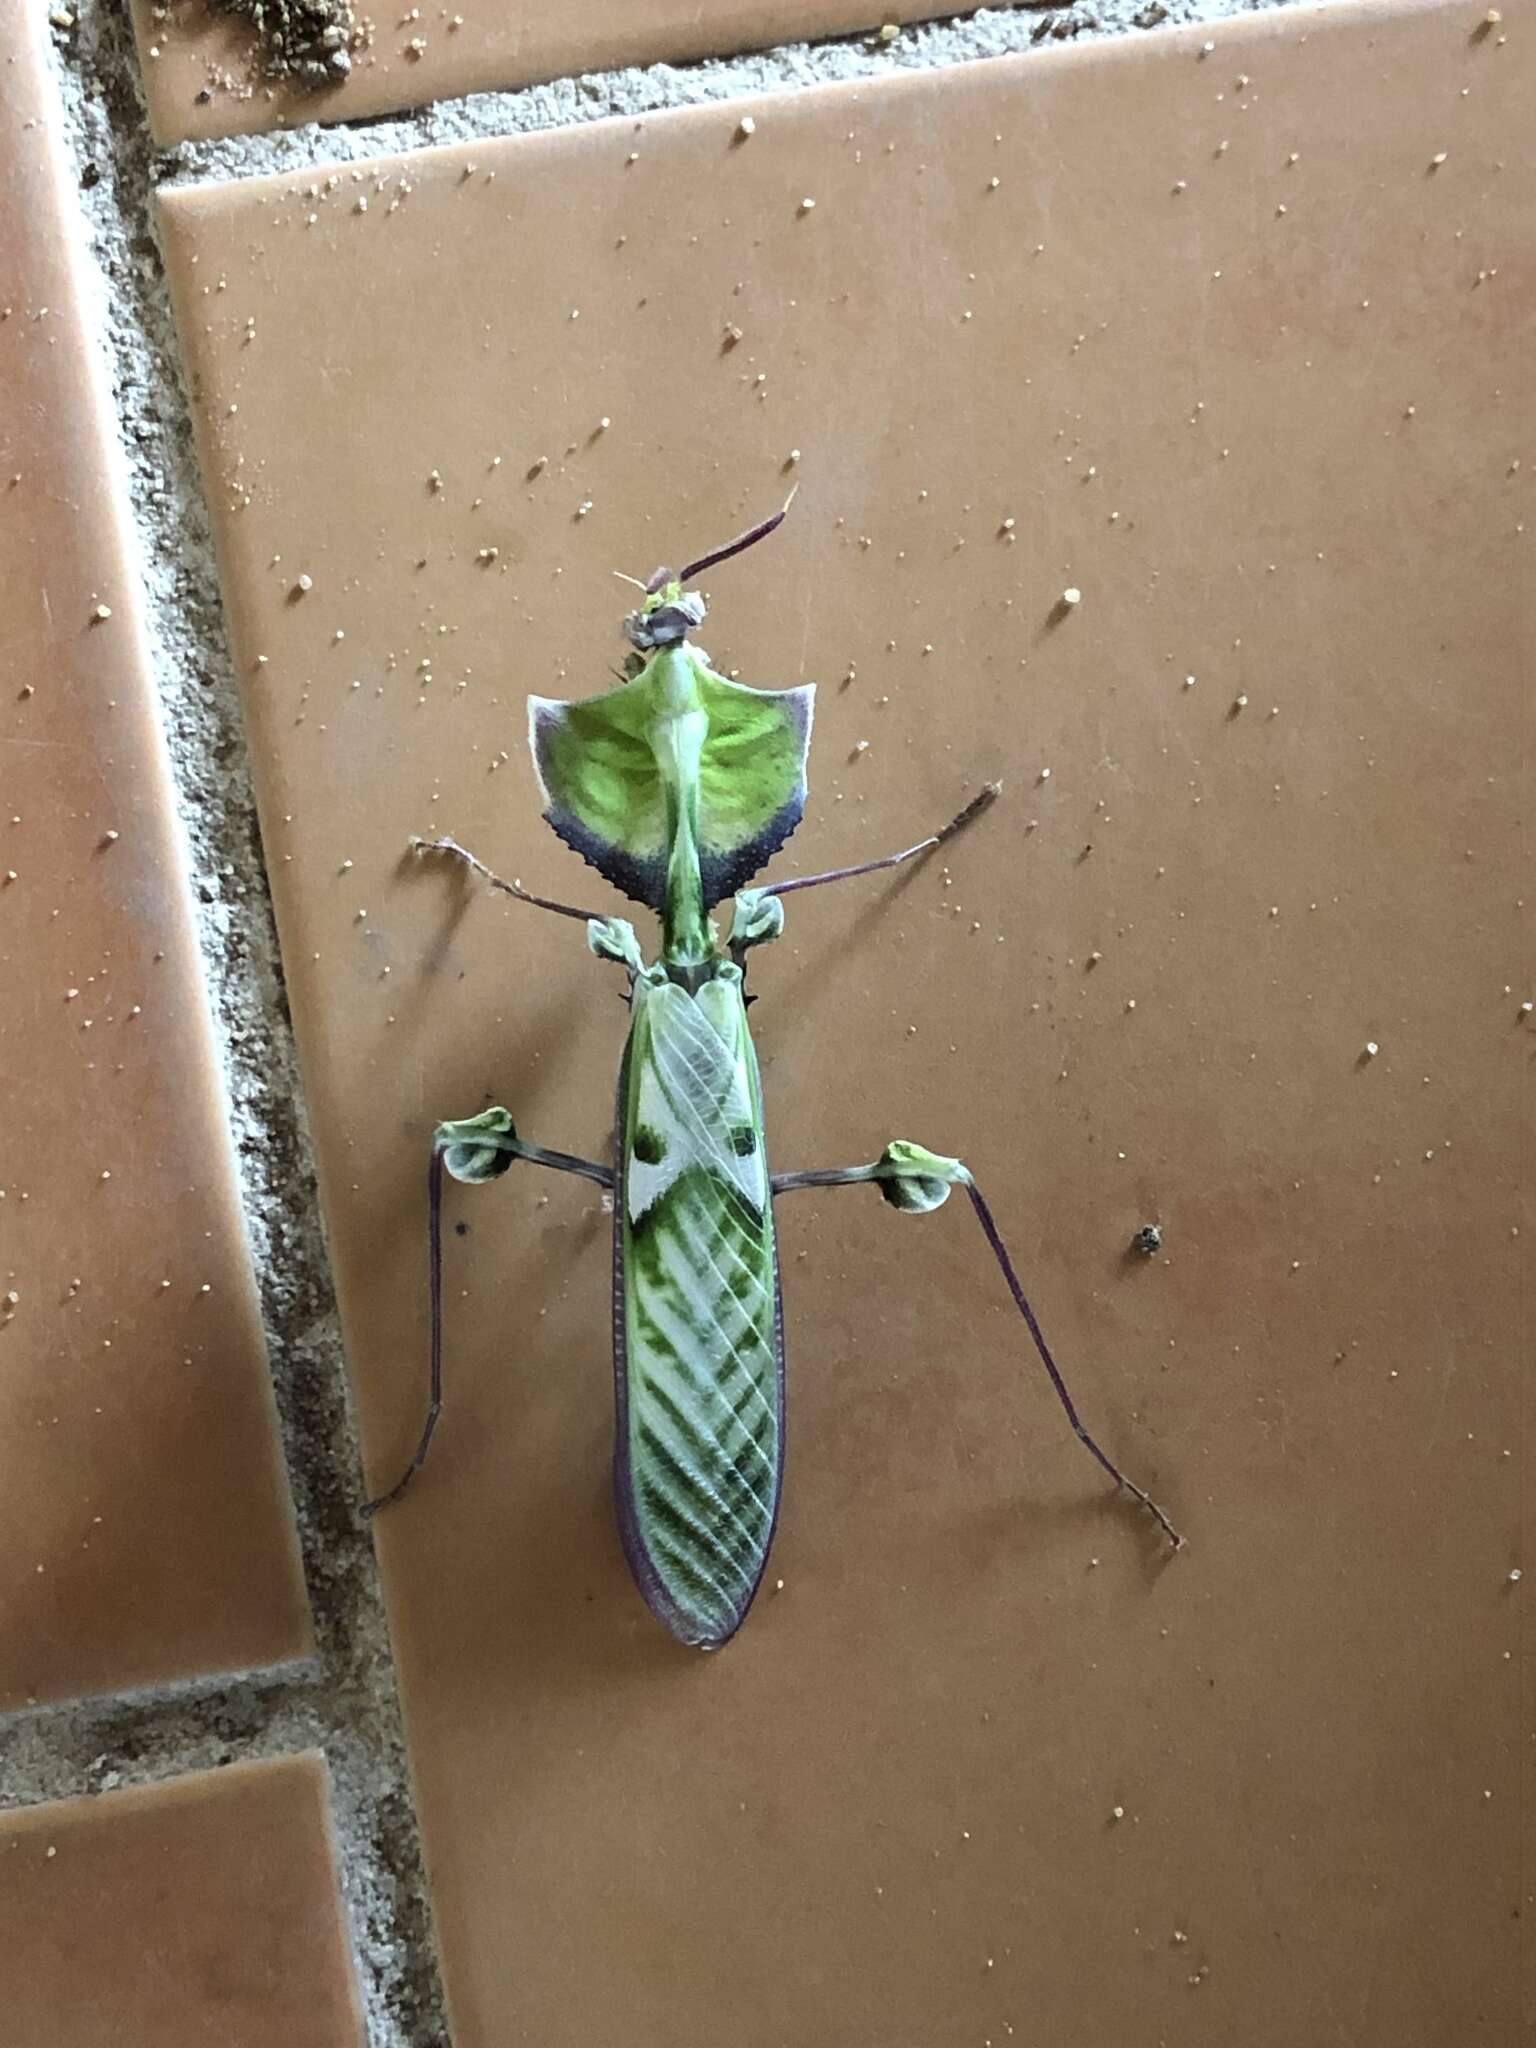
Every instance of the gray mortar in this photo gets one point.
(342, 1702)
(929, 46)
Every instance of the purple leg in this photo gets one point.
(877, 1171)
(983, 800)
(562, 1162)
(1000, 1252)
(457, 852)
(435, 1366)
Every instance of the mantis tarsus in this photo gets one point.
(677, 786)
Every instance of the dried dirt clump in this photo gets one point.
(307, 41)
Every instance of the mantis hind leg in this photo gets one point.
(916, 1180)
(1015, 1288)
(479, 1148)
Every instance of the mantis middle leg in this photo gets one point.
(478, 1148)
(916, 1180)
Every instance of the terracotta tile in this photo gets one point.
(145, 1527)
(203, 75)
(1273, 452)
(200, 1910)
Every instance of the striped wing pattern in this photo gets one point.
(699, 1451)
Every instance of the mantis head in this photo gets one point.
(667, 616)
(669, 613)
(608, 768)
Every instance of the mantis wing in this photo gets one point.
(609, 770)
(698, 1327)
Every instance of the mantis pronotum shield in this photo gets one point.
(678, 786)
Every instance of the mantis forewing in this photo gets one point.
(678, 786)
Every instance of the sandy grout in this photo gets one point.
(342, 1702)
(637, 90)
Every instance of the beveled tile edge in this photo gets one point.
(568, 106)
(929, 36)
(187, 1787)
(119, 1743)
(178, 616)
(342, 1700)
(636, 90)
(283, 1675)
(398, 88)
(70, 1804)
(79, 287)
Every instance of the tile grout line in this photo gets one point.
(637, 90)
(343, 1701)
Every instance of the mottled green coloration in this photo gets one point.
(699, 1383)
(677, 785)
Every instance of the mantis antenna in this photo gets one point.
(738, 546)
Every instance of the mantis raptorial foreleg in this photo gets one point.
(759, 914)
(456, 852)
(916, 1180)
(478, 1148)
(983, 799)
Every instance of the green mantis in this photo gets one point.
(678, 786)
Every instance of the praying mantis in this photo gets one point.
(678, 786)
